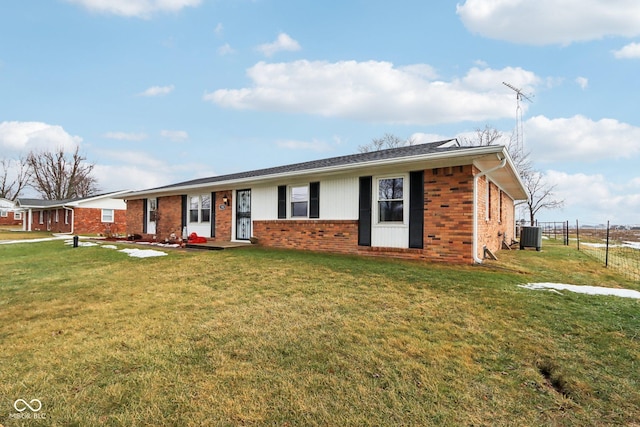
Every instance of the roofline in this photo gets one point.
(70, 203)
(473, 152)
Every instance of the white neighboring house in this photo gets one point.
(101, 214)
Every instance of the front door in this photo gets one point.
(152, 215)
(243, 215)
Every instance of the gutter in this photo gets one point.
(475, 206)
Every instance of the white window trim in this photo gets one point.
(41, 218)
(199, 196)
(4, 213)
(113, 216)
(405, 202)
(17, 215)
(290, 200)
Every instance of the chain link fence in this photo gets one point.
(616, 246)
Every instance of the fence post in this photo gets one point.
(606, 260)
(578, 233)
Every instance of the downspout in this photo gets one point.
(475, 206)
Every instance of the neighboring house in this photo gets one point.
(9, 213)
(436, 201)
(102, 214)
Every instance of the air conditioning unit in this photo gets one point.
(531, 237)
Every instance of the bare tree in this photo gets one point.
(541, 194)
(57, 175)
(11, 187)
(387, 141)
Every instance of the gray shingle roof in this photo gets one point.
(353, 159)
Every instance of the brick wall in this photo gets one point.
(448, 214)
(496, 223)
(134, 217)
(315, 235)
(224, 216)
(89, 221)
(169, 218)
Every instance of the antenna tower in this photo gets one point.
(519, 128)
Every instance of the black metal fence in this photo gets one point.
(616, 246)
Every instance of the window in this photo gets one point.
(200, 208)
(391, 200)
(107, 215)
(17, 215)
(41, 220)
(66, 216)
(205, 208)
(153, 210)
(299, 201)
(57, 215)
(4, 213)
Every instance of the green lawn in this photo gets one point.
(263, 337)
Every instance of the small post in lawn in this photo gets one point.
(75, 241)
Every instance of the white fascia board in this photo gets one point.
(113, 195)
(469, 154)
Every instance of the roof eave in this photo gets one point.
(470, 153)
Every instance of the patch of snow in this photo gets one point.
(110, 246)
(633, 245)
(81, 244)
(590, 290)
(142, 253)
(45, 239)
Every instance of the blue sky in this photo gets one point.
(160, 91)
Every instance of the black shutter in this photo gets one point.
(183, 222)
(213, 214)
(282, 201)
(364, 216)
(314, 200)
(416, 209)
(144, 216)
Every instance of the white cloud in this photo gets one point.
(540, 22)
(25, 136)
(377, 92)
(594, 199)
(314, 145)
(137, 170)
(579, 138)
(175, 135)
(424, 138)
(135, 8)
(583, 82)
(283, 43)
(157, 91)
(630, 51)
(225, 49)
(219, 29)
(126, 136)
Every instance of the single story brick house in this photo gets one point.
(100, 214)
(436, 201)
(9, 213)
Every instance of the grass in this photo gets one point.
(262, 337)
